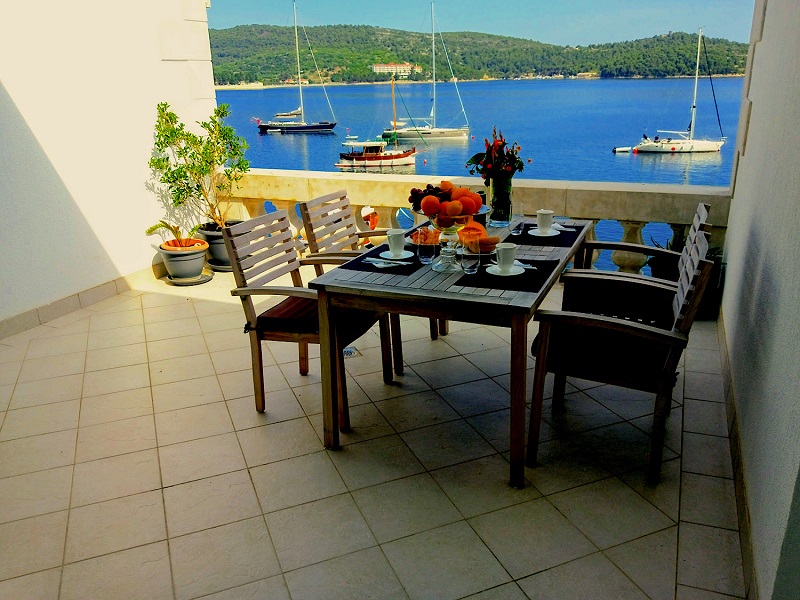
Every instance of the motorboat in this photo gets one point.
(678, 141)
(374, 153)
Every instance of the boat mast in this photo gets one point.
(696, 75)
(297, 54)
(433, 69)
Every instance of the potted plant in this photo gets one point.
(200, 170)
(184, 256)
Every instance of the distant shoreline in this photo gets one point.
(261, 86)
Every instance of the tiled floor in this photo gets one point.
(133, 465)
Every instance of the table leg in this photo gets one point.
(519, 362)
(328, 372)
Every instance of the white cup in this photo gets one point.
(544, 220)
(505, 255)
(396, 240)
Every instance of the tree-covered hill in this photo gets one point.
(265, 53)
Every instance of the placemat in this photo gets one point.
(564, 239)
(358, 264)
(529, 281)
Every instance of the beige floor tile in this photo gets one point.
(296, 481)
(37, 453)
(273, 588)
(10, 372)
(42, 586)
(375, 461)
(169, 312)
(476, 339)
(666, 495)
(172, 329)
(156, 299)
(115, 525)
(284, 352)
(480, 486)
(176, 347)
(448, 371)
(5, 396)
(709, 501)
(65, 344)
(705, 417)
(118, 356)
(710, 558)
(704, 386)
(494, 362)
(587, 578)
(290, 371)
(690, 593)
(703, 361)
(627, 403)
(278, 441)
(280, 406)
(221, 453)
(24, 422)
(508, 591)
(240, 383)
(621, 447)
(118, 379)
(424, 350)
(404, 507)
(364, 574)
(210, 502)
(407, 383)
(32, 545)
(115, 437)
(580, 413)
(650, 562)
(416, 410)
(115, 477)
(136, 574)
(317, 531)
(445, 563)
(707, 455)
(180, 369)
(183, 394)
(116, 406)
(32, 494)
(228, 361)
(103, 321)
(192, 423)
(230, 339)
(608, 512)
(110, 338)
(476, 397)
(232, 319)
(38, 393)
(564, 464)
(221, 558)
(366, 423)
(446, 444)
(17, 353)
(531, 537)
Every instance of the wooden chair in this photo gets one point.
(262, 250)
(672, 260)
(620, 331)
(330, 230)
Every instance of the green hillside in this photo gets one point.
(344, 53)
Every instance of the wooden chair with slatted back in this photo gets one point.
(262, 250)
(330, 230)
(620, 331)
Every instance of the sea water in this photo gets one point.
(567, 128)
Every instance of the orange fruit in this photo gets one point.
(458, 192)
(454, 208)
(468, 205)
(475, 227)
(429, 205)
(476, 198)
(443, 207)
(446, 186)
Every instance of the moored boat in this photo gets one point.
(373, 153)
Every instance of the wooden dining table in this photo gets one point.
(482, 298)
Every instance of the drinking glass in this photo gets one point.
(425, 249)
(470, 261)
(516, 224)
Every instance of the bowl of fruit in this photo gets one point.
(449, 208)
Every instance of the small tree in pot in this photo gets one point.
(184, 256)
(200, 170)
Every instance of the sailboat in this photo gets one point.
(684, 141)
(426, 128)
(295, 121)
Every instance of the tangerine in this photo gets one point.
(458, 192)
(468, 205)
(454, 208)
(446, 186)
(429, 205)
(443, 207)
(477, 199)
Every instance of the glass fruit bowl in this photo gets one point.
(448, 240)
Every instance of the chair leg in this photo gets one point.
(444, 327)
(434, 329)
(386, 349)
(258, 371)
(397, 343)
(341, 392)
(559, 386)
(303, 357)
(539, 375)
(663, 402)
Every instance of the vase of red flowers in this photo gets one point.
(496, 165)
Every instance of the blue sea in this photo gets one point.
(566, 127)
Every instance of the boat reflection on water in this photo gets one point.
(397, 169)
(686, 164)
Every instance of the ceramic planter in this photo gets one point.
(217, 253)
(184, 262)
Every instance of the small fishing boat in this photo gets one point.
(373, 153)
(679, 141)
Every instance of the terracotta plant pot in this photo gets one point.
(184, 260)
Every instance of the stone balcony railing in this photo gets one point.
(633, 205)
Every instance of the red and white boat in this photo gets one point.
(373, 153)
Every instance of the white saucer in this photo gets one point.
(388, 254)
(550, 233)
(495, 270)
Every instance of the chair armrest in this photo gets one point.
(372, 232)
(612, 324)
(329, 258)
(297, 292)
(584, 255)
(624, 275)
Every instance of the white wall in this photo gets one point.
(79, 82)
(761, 306)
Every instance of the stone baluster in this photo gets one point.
(290, 206)
(630, 262)
(592, 237)
(678, 235)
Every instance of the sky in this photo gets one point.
(561, 22)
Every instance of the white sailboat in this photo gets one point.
(297, 122)
(426, 127)
(674, 142)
